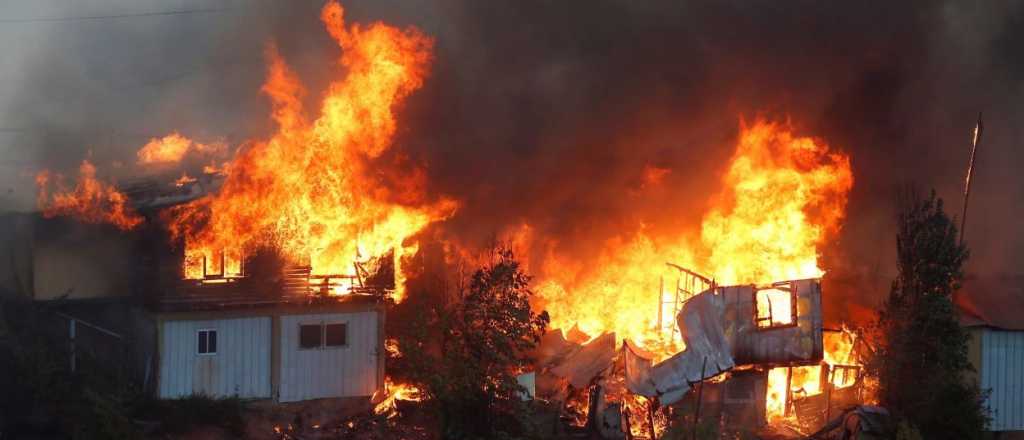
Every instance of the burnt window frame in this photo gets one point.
(200, 340)
(322, 326)
(793, 299)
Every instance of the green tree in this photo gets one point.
(922, 355)
(465, 349)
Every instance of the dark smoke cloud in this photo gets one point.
(549, 112)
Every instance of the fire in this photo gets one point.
(90, 201)
(185, 179)
(806, 381)
(172, 149)
(783, 196)
(396, 392)
(774, 307)
(313, 190)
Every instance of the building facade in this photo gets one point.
(286, 352)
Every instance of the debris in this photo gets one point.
(552, 349)
(702, 328)
(865, 422)
(582, 366)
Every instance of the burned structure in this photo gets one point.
(262, 330)
(728, 327)
(752, 354)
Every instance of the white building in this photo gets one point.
(993, 312)
(286, 352)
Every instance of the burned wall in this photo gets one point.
(77, 260)
(790, 344)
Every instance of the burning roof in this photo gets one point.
(317, 190)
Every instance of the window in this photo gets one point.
(310, 336)
(334, 335)
(207, 341)
(318, 336)
(775, 307)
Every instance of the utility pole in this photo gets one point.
(970, 172)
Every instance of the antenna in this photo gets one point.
(978, 128)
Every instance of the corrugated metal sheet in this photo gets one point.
(329, 372)
(1002, 372)
(800, 343)
(240, 368)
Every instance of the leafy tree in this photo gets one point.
(466, 349)
(922, 355)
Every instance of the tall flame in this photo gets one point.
(310, 190)
(90, 201)
(783, 197)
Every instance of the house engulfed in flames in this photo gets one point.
(757, 354)
(281, 252)
(261, 329)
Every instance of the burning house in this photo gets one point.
(752, 354)
(264, 275)
(260, 331)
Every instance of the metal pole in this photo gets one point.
(970, 172)
(700, 395)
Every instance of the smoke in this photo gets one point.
(555, 113)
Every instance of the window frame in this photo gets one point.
(793, 299)
(208, 331)
(323, 335)
(298, 336)
(344, 344)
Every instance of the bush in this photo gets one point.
(922, 354)
(465, 350)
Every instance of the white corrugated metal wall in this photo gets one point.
(329, 372)
(240, 368)
(1002, 372)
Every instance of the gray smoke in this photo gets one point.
(548, 112)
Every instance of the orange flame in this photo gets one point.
(91, 201)
(311, 190)
(783, 197)
(806, 381)
(172, 148)
(396, 392)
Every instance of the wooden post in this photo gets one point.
(789, 392)
(625, 417)
(650, 417)
(700, 395)
(828, 394)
